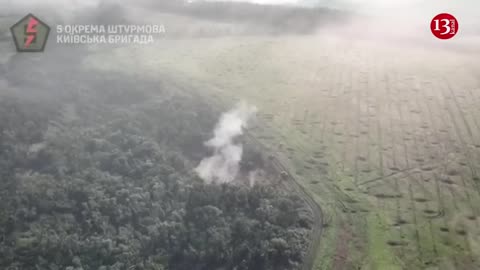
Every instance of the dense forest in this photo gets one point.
(102, 178)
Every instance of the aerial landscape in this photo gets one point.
(247, 136)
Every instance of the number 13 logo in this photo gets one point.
(444, 26)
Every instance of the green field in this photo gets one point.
(385, 139)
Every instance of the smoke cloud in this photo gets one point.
(223, 165)
(252, 178)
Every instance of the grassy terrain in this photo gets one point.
(385, 139)
(97, 172)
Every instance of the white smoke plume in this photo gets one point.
(223, 165)
(252, 178)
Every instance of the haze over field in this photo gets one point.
(466, 9)
(378, 20)
(364, 152)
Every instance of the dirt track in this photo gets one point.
(316, 210)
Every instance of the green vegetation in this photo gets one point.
(384, 137)
(103, 178)
(385, 144)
